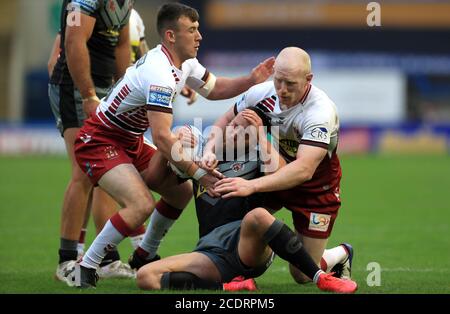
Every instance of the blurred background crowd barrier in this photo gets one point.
(391, 82)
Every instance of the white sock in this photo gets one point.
(156, 230)
(136, 240)
(80, 249)
(316, 276)
(334, 256)
(107, 239)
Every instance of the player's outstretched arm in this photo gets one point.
(171, 148)
(295, 173)
(225, 88)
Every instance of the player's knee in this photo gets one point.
(147, 280)
(79, 177)
(144, 205)
(257, 219)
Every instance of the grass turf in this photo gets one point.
(395, 212)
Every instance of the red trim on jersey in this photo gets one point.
(305, 94)
(267, 103)
(314, 143)
(105, 120)
(271, 101)
(167, 53)
(205, 76)
(158, 108)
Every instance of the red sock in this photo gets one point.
(167, 210)
(138, 231)
(82, 237)
(120, 224)
(323, 264)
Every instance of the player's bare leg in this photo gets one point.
(260, 226)
(103, 208)
(125, 184)
(175, 197)
(315, 248)
(331, 260)
(73, 209)
(185, 271)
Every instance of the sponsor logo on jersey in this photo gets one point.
(160, 95)
(319, 222)
(319, 133)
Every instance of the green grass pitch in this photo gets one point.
(395, 212)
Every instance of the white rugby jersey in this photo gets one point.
(137, 33)
(137, 27)
(151, 84)
(314, 121)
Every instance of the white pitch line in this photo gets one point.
(394, 270)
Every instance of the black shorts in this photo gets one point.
(67, 105)
(221, 246)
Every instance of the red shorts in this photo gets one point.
(100, 153)
(313, 214)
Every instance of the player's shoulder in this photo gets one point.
(190, 64)
(260, 91)
(89, 5)
(318, 101)
(154, 65)
(262, 88)
(319, 107)
(135, 18)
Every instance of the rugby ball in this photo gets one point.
(195, 153)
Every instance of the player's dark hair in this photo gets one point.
(169, 14)
(265, 119)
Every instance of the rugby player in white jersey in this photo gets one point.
(110, 143)
(102, 210)
(237, 236)
(308, 136)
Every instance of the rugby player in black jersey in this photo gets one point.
(238, 236)
(94, 49)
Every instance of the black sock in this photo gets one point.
(187, 281)
(67, 250)
(67, 255)
(110, 257)
(287, 245)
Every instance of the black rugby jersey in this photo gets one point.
(111, 16)
(215, 212)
